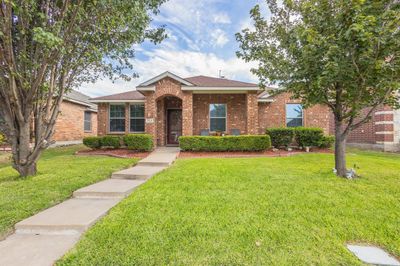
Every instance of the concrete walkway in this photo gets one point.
(48, 235)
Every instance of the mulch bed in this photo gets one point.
(268, 153)
(119, 153)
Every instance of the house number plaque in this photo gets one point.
(149, 120)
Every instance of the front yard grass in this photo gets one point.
(4, 158)
(253, 211)
(60, 173)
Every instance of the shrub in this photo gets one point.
(139, 142)
(308, 136)
(227, 143)
(326, 141)
(2, 138)
(92, 142)
(111, 141)
(281, 137)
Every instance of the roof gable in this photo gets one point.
(164, 75)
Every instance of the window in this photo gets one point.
(217, 117)
(87, 124)
(117, 118)
(137, 118)
(294, 115)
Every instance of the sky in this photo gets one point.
(201, 41)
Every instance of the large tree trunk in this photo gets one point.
(23, 159)
(340, 149)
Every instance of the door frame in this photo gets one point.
(167, 125)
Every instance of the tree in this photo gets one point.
(49, 46)
(340, 53)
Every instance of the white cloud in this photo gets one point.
(182, 63)
(222, 18)
(192, 63)
(219, 38)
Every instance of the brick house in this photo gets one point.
(76, 120)
(168, 106)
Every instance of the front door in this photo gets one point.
(174, 126)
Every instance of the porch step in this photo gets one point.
(110, 188)
(137, 172)
(35, 250)
(70, 217)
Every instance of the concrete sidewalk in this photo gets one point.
(47, 236)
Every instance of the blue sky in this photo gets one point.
(201, 41)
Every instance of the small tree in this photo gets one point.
(343, 54)
(49, 46)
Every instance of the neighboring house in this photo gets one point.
(168, 106)
(382, 132)
(76, 120)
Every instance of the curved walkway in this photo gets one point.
(48, 235)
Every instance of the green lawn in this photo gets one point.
(254, 211)
(4, 159)
(60, 173)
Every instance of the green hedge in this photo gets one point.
(2, 138)
(301, 136)
(326, 141)
(281, 137)
(111, 141)
(92, 142)
(308, 136)
(226, 143)
(139, 142)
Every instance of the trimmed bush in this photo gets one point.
(281, 137)
(111, 141)
(2, 138)
(308, 136)
(226, 143)
(139, 142)
(326, 142)
(92, 142)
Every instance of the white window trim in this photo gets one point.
(109, 119)
(90, 121)
(130, 118)
(226, 116)
(302, 113)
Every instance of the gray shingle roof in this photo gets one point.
(79, 98)
(204, 81)
(130, 95)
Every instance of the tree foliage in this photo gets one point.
(49, 46)
(343, 54)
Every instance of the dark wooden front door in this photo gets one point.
(174, 125)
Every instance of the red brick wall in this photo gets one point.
(70, 122)
(274, 114)
(236, 111)
(372, 131)
(363, 134)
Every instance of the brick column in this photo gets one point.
(102, 119)
(161, 121)
(384, 129)
(187, 114)
(127, 116)
(150, 109)
(252, 113)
